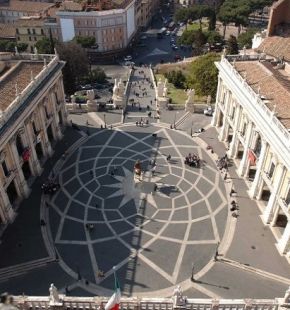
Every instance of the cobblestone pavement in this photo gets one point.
(153, 237)
(158, 233)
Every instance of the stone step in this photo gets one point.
(16, 270)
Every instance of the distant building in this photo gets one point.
(29, 30)
(145, 10)
(187, 3)
(32, 118)
(7, 32)
(16, 9)
(113, 29)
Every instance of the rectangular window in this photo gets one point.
(33, 31)
(271, 171)
(287, 198)
(5, 169)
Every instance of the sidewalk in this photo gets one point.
(22, 240)
(253, 243)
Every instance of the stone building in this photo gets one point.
(252, 114)
(145, 9)
(113, 29)
(29, 30)
(15, 9)
(33, 115)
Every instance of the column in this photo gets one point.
(244, 161)
(234, 144)
(277, 184)
(23, 188)
(55, 122)
(216, 115)
(225, 127)
(258, 176)
(36, 168)
(284, 242)
(7, 212)
(47, 145)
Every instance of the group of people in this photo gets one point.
(50, 187)
(142, 122)
(192, 160)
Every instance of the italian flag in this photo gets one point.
(114, 301)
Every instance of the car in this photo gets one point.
(208, 111)
(141, 45)
(129, 63)
(177, 57)
(128, 58)
(143, 37)
(174, 47)
(172, 40)
(167, 33)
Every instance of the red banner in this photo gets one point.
(252, 158)
(26, 155)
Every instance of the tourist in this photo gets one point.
(168, 157)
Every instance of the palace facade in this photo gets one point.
(253, 118)
(33, 116)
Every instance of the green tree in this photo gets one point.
(76, 67)
(177, 78)
(98, 75)
(204, 75)
(233, 48)
(44, 46)
(85, 42)
(245, 39)
(181, 15)
(213, 37)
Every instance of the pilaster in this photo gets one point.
(6, 211)
(234, 144)
(284, 242)
(23, 188)
(257, 180)
(278, 181)
(244, 161)
(47, 145)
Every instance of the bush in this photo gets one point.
(177, 78)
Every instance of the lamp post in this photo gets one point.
(191, 129)
(174, 125)
(105, 120)
(192, 273)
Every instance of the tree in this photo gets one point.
(213, 37)
(245, 39)
(181, 15)
(9, 46)
(177, 78)
(204, 75)
(85, 42)
(44, 46)
(233, 48)
(21, 47)
(76, 67)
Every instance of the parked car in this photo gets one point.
(128, 58)
(208, 111)
(167, 33)
(129, 63)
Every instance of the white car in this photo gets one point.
(208, 111)
(128, 58)
(129, 63)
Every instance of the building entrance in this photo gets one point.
(38, 150)
(26, 170)
(11, 192)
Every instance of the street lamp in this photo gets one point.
(191, 129)
(105, 120)
(192, 273)
(174, 126)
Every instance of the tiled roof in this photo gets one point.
(20, 75)
(276, 46)
(271, 84)
(71, 6)
(26, 6)
(7, 31)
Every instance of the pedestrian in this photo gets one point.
(225, 177)
(42, 222)
(151, 102)
(153, 169)
(66, 290)
(112, 173)
(137, 124)
(232, 192)
(216, 254)
(168, 157)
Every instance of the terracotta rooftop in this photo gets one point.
(276, 46)
(272, 85)
(7, 31)
(71, 6)
(20, 74)
(26, 6)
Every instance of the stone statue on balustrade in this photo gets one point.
(189, 103)
(165, 90)
(54, 298)
(178, 298)
(160, 88)
(287, 296)
(118, 94)
(91, 102)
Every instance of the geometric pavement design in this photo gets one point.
(153, 238)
